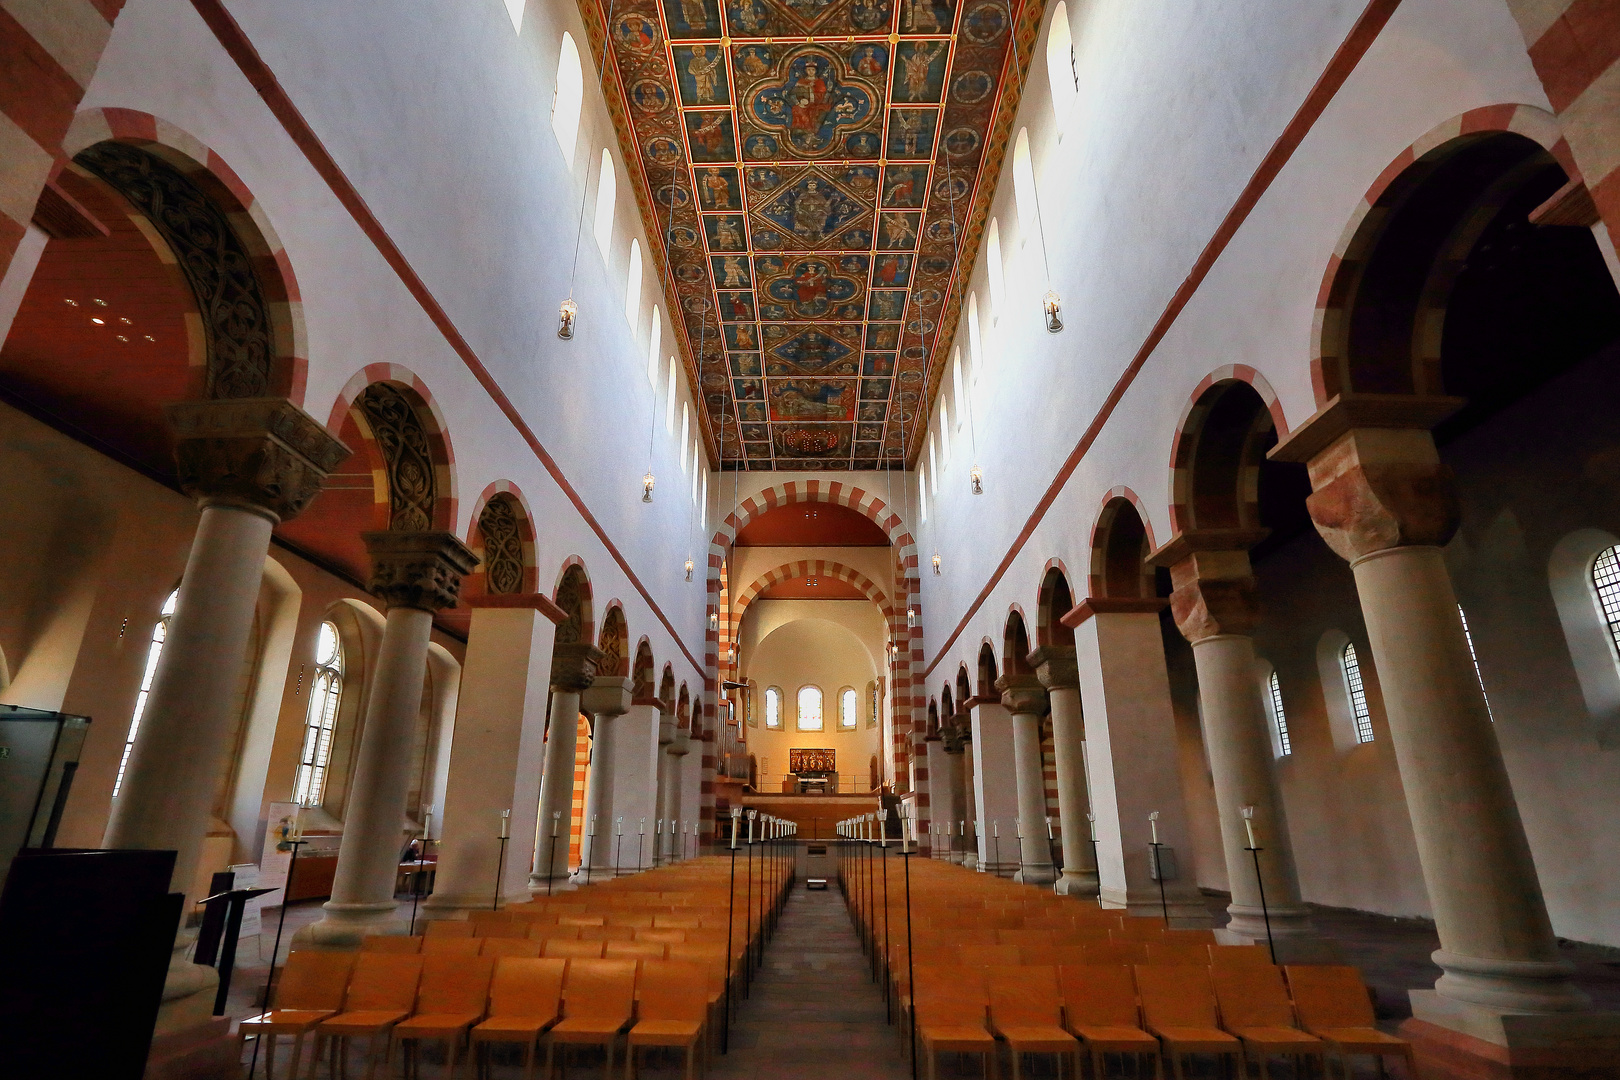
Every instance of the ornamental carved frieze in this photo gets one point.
(501, 528)
(263, 454)
(417, 569)
(402, 440)
(235, 317)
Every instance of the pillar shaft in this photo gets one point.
(495, 760)
(970, 802)
(1131, 739)
(1055, 666)
(995, 787)
(608, 698)
(1035, 847)
(674, 796)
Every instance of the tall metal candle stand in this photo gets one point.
(1255, 850)
(551, 852)
(731, 906)
(275, 950)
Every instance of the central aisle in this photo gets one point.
(815, 1013)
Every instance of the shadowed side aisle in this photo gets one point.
(814, 1012)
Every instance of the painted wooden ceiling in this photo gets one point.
(814, 175)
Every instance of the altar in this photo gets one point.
(812, 771)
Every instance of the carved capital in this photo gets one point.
(417, 569)
(1022, 695)
(1377, 489)
(1055, 666)
(573, 665)
(608, 695)
(261, 454)
(1377, 478)
(1213, 587)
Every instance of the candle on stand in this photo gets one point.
(1153, 823)
(619, 826)
(427, 823)
(556, 818)
(1018, 828)
(591, 827)
(641, 830)
(1248, 824)
(1092, 818)
(506, 824)
(1049, 835)
(736, 820)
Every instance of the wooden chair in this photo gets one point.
(665, 935)
(391, 943)
(1227, 955)
(598, 999)
(547, 932)
(1099, 1008)
(450, 1000)
(580, 918)
(310, 991)
(1138, 928)
(1113, 953)
(1169, 953)
(607, 933)
(983, 956)
(712, 958)
(1053, 955)
(633, 950)
(1254, 1007)
(510, 928)
(672, 1011)
(1178, 1006)
(638, 920)
(564, 949)
(499, 947)
(1201, 936)
(381, 993)
(525, 1000)
(1332, 1004)
(952, 1020)
(450, 928)
(677, 922)
(1026, 1011)
(451, 946)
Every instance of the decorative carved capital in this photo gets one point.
(1055, 666)
(261, 454)
(1023, 695)
(573, 665)
(417, 569)
(1377, 478)
(608, 695)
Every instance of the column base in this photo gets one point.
(970, 861)
(204, 1051)
(1185, 912)
(343, 925)
(1077, 883)
(1292, 946)
(540, 885)
(1038, 874)
(188, 990)
(457, 905)
(1460, 1041)
(1002, 869)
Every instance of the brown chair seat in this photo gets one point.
(585, 1029)
(497, 1026)
(1039, 1039)
(1277, 1040)
(655, 1031)
(285, 1021)
(1116, 1040)
(362, 1021)
(957, 1039)
(1360, 1040)
(1186, 1040)
(435, 1025)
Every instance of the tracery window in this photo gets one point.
(570, 96)
(773, 707)
(809, 712)
(153, 652)
(320, 720)
(1606, 579)
(1358, 694)
(847, 708)
(1278, 717)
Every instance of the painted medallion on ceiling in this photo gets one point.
(814, 175)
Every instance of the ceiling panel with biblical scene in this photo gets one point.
(814, 175)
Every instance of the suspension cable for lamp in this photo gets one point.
(1050, 303)
(569, 310)
(975, 474)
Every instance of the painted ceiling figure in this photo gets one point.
(811, 283)
(920, 16)
(908, 125)
(901, 230)
(810, 104)
(695, 14)
(916, 69)
(903, 190)
(711, 133)
(812, 208)
(702, 69)
(736, 273)
(725, 232)
(719, 190)
(866, 62)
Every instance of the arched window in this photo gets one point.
(975, 346)
(809, 712)
(773, 707)
(1024, 194)
(632, 288)
(1279, 719)
(514, 8)
(933, 464)
(669, 401)
(652, 353)
(686, 434)
(1357, 692)
(944, 432)
(996, 271)
(922, 492)
(320, 720)
(1606, 580)
(607, 185)
(847, 708)
(565, 105)
(957, 382)
(1060, 65)
(153, 651)
(1472, 655)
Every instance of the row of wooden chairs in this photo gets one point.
(1246, 1013)
(554, 948)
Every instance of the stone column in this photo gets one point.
(970, 802)
(1383, 501)
(1055, 666)
(666, 736)
(1025, 699)
(1214, 608)
(607, 698)
(414, 574)
(995, 786)
(939, 793)
(952, 809)
(495, 754)
(680, 745)
(573, 669)
(1131, 744)
(250, 463)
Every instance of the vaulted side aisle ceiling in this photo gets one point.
(814, 175)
